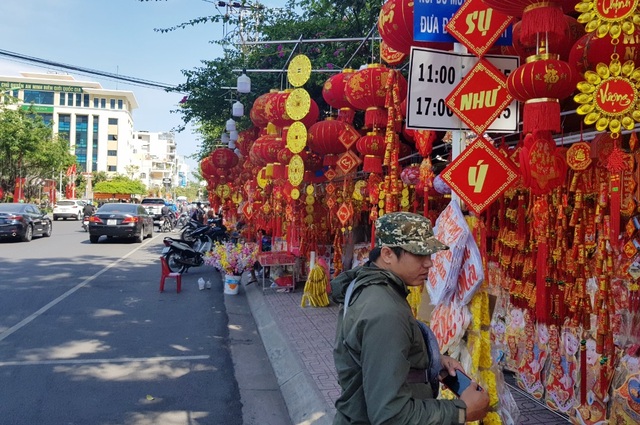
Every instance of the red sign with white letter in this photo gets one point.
(480, 97)
(477, 26)
(480, 174)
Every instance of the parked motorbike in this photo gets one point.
(182, 255)
(189, 228)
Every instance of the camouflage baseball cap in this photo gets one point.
(411, 232)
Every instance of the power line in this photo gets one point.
(117, 77)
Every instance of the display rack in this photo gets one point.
(278, 258)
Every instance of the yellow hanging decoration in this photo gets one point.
(605, 18)
(315, 289)
(415, 298)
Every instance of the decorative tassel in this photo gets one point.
(543, 18)
(583, 371)
(542, 114)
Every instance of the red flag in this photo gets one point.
(71, 170)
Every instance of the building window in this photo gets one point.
(112, 137)
(86, 101)
(96, 102)
(62, 99)
(119, 103)
(112, 153)
(94, 143)
(70, 99)
(103, 103)
(113, 121)
(64, 126)
(112, 168)
(38, 97)
(112, 102)
(78, 99)
(82, 131)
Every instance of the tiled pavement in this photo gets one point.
(310, 333)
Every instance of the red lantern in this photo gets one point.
(590, 50)
(395, 25)
(367, 90)
(562, 46)
(373, 147)
(333, 93)
(265, 149)
(324, 137)
(224, 158)
(540, 84)
(207, 168)
(538, 17)
(245, 139)
(258, 111)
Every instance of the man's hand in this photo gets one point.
(450, 365)
(477, 401)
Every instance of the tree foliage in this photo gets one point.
(208, 104)
(29, 149)
(120, 185)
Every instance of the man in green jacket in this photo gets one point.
(388, 366)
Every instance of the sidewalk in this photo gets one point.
(299, 344)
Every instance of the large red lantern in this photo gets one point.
(562, 46)
(590, 50)
(245, 139)
(224, 158)
(258, 111)
(538, 17)
(333, 93)
(395, 25)
(276, 111)
(265, 149)
(367, 90)
(540, 84)
(324, 137)
(207, 168)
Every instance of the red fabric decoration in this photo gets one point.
(324, 136)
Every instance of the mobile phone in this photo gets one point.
(457, 384)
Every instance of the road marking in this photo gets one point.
(44, 309)
(102, 361)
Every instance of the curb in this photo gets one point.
(304, 401)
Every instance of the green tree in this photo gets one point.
(206, 105)
(120, 185)
(28, 149)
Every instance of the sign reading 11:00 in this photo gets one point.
(434, 74)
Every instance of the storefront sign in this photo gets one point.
(434, 74)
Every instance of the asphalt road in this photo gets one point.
(86, 338)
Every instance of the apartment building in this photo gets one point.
(97, 122)
(158, 163)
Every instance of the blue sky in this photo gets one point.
(117, 36)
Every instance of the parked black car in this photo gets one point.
(121, 220)
(23, 221)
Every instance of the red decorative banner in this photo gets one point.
(347, 161)
(478, 26)
(480, 97)
(480, 174)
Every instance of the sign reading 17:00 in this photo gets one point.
(434, 74)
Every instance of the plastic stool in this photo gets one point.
(166, 272)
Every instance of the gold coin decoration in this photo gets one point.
(223, 191)
(298, 104)
(299, 71)
(296, 170)
(609, 97)
(310, 189)
(603, 18)
(261, 178)
(297, 137)
(295, 193)
(309, 199)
